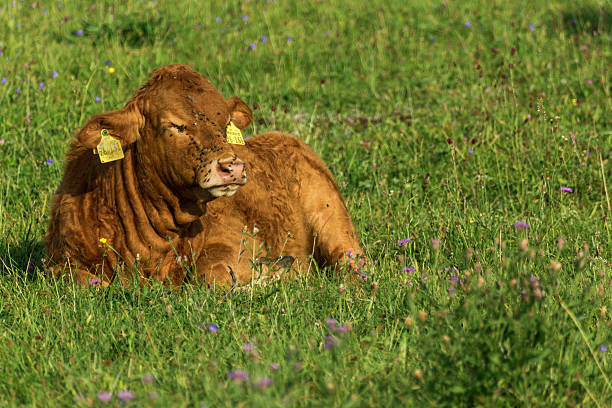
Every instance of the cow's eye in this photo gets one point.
(180, 128)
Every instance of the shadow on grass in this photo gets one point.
(578, 18)
(23, 258)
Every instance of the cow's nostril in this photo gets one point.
(231, 168)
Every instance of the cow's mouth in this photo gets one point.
(225, 190)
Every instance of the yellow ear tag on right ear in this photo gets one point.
(234, 136)
(109, 149)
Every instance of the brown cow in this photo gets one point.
(178, 206)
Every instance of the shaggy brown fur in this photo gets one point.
(176, 207)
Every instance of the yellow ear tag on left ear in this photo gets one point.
(234, 136)
(109, 149)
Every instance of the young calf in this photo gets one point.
(156, 189)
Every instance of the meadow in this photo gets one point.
(471, 141)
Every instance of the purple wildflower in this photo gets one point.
(330, 342)
(125, 395)
(41, 85)
(18, 90)
(264, 39)
(252, 46)
(468, 24)
(54, 74)
(521, 225)
(218, 19)
(147, 379)
(531, 27)
(454, 279)
(603, 348)
(105, 396)
(107, 63)
(78, 33)
(403, 242)
(3, 80)
(274, 366)
(245, 17)
(363, 275)
(237, 375)
(289, 38)
(248, 347)
(49, 162)
(264, 383)
(213, 328)
(566, 190)
(470, 152)
(2, 141)
(409, 269)
(98, 99)
(94, 281)
(332, 323)
(343, 329)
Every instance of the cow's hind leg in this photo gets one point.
(334, 236)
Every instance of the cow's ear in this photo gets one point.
(123, 124)
(241, 114)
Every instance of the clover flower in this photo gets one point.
(330, 342)
(521, 225)
(105, 396)
(409, 269)
(264, 383)
(125, 395)
(237, 375)
(566, 190)
(93, 281)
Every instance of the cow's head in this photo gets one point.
(177, 125)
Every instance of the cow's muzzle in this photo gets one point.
(227, 176)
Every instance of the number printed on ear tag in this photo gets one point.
(234, 136)
(109, 149)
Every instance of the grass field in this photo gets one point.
(481, 130)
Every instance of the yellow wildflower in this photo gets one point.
(111, 70)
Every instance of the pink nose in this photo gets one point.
(231, 170)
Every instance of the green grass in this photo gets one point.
(434, 130)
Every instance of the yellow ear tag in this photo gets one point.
(109, 148)
(234, 136)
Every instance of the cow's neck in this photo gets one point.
(152, 215)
